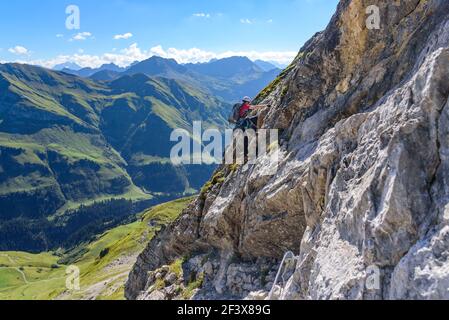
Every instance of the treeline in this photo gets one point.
(84, 223)
(71, 228)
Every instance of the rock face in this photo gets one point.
(361, 194)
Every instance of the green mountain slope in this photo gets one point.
(104, 263)
(69, 144)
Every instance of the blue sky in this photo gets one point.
(187, 30)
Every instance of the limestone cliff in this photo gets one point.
(363, 182)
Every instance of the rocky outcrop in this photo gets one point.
(361, 194)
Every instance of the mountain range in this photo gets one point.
(229, 79)
(77, 156)
(88, 72)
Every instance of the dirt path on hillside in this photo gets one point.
(24, 277)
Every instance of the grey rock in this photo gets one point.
(155, 295)
(257, 295)
(208, 268)
(159, 275)
(172, 290)
(171, 278)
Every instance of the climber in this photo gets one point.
(243, 116)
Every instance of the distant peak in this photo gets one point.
(158, 58)
(67, 65)
(109, 65)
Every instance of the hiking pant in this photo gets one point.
(247, 124)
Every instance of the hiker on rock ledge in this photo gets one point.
(244, 115)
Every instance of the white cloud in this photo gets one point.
(59, 35)
(246, 21)
(202, 15)
(195, 55)
(134, 53)
(82, 36)
(19, 50)
(123, 36)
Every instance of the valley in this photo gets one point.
(71, 147)
(104, 262)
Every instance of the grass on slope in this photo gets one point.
(72, 147)
(170, 115)
(104, 264)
